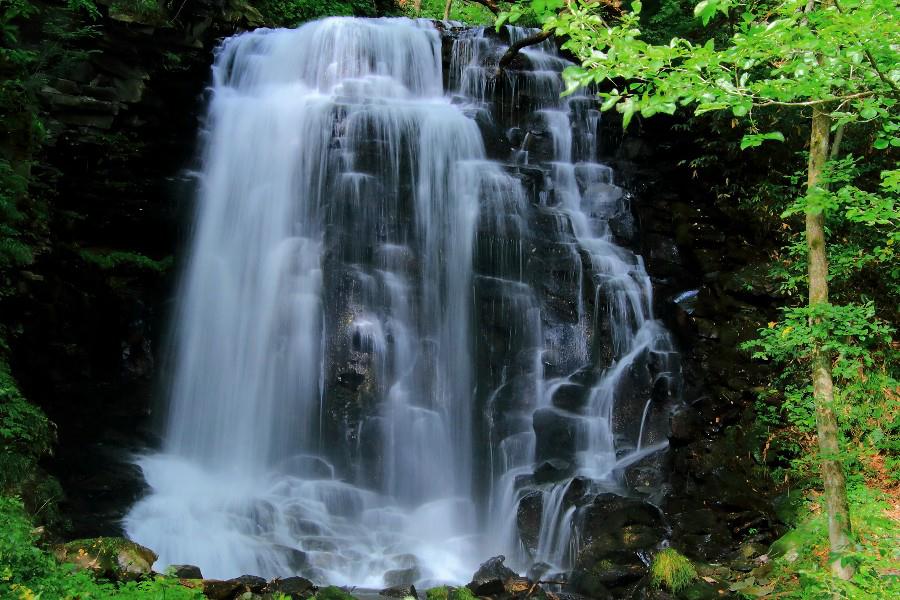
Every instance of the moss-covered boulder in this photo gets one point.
(113, 558)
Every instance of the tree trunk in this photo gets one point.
(447, 10)
(823, 386)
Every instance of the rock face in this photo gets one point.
(111, 558)
(121, 119)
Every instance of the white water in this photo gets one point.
(344, 202)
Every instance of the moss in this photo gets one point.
(113, 557)
(448, 593)
(438, 593)
(462, 593)
(333, 593)
(672, 570)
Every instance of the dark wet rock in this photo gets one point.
(402, 577)
(616, 569)
(297, 559)
(609, 512)
(553, 470)
(488, 579)
(577, 492)
(251, 583)
(684, 426)
(555, 434)
(186, 571)
(528, 519)
(215, 589)
(589, 584)
(399, 591)
(538, 570)
(648, 475)
(297, 588)
(570, 397)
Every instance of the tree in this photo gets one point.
(835, 61)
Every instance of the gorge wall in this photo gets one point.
(702, 484)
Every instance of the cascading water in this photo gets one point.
(393, 336)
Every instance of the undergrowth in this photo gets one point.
(799, 567)
(29, 572)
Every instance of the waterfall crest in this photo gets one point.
(391, 336)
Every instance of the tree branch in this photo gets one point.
(818, 102)
(871, 58)
(491, 5)
(531, 40)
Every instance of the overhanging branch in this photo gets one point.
(514, 49)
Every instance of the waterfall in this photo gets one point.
(389, 331)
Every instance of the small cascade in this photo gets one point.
(605, 370)
(411, 334)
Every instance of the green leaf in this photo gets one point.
(756, 139)
(610, 102)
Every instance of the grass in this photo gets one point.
(672, 570)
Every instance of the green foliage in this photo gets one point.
(289, 13)
(117, 260)
(800, 569)
(462, 593)
(672, 570)
(25, 434)
(448, 593)
(531, 13)
(438, 593)
(460, 10)
(769, 61)
(28, 572)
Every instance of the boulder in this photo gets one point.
(490, 577)
(186, 571)
(400, 591)
(251, 583)
(402, 577)
(113, 558)
(215, 589)
(588, 584)
(296, 588)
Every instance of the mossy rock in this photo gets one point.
(790, 546)
(110, 557)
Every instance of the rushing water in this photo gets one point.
(387, 339)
